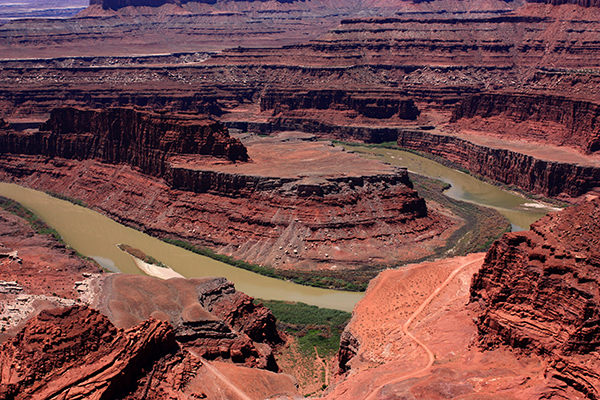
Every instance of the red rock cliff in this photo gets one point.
(77, 352)
(582, 3)
(539, 292)
(116, 4)
(371, 105)
(548, 178)
(516, 115)
(139, 138)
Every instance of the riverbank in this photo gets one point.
(96, 236)
(149, 265)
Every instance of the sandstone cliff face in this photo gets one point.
(348, 223)
(77, 352)
(307, 197)
(496, 42)
(538, 293)
(116, 4)
(209, 317)
(581, 3)
(371, 105)
(531, 174)
(514, 116)
(126, 135)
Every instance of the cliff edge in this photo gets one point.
(539, 294)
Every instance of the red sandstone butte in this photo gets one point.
(298, 204)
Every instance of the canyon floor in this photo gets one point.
(198, 122)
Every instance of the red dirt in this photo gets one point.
(297, 204)
(45, 273)
(209, 316)
(528, 332)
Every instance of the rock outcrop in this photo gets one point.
(77, 352)
(116, 4)
(209, 316)
(581, 3)
(141, 139)
(371, 105)
(325, 206)
(545, 119)
(538, 293)
(511, 167)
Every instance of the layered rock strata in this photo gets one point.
(141, 139)
(538, 293)
(116, 4)
(77, 352)
(509, 166)
(299, 204)
(209, 317)
(371, 105)
(495, 42)
(581, 3)
(544, 119)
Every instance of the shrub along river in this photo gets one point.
(96, 236)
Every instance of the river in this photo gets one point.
(96, 236)
(521, 212)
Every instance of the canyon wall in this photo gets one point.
(125, 135)
(116, 4)
(514, 116)
(299, 204)
(548, 178)
(537, 292)
(581, 3)
(371, 105)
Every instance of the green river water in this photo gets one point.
(96, 236)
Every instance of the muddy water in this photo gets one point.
(96, 236)
(521, 212)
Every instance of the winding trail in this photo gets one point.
(406, 325)
(324, 364)
(217, 374)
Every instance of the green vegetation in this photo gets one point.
(314, 327)
(482, 225)
(141, 255)
(353, 281)
(36, 223)
(66, 198)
